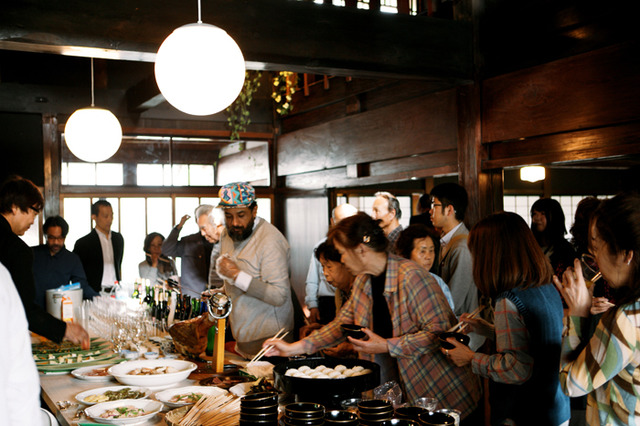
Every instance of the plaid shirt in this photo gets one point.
(419, 312)
(607, 369)
(512, 362)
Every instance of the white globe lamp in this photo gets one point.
(199, 69)
(93, 134)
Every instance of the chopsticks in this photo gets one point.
(266, 348)
(462, 324)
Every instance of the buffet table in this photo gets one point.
(65, 387)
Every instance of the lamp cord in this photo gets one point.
(199, 13)
(92, 97)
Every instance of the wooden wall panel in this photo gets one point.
(585, 91)
(422, 125)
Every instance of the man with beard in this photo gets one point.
(54, 265)
(254, 262)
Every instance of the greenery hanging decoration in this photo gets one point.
(238, 116)
(284, 86)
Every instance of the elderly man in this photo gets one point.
(386, 209)
(319, 294)
(254, 262)
(195, 251)
(20, 203)
(54, 265)
(101, 250)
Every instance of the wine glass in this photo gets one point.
(426, 402)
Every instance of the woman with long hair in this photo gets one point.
(510, 268)
(155, 266)
(403, 311)
(549, 229)
(605, 365)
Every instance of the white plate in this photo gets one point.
(121, 372)
(81, 397)
(81, 373)
(150, 407)
(166, 395)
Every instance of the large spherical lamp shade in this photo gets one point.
(93, 134)
(199, 69)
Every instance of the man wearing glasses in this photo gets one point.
(20, 203)
(54, 265)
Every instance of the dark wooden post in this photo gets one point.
(51, 151)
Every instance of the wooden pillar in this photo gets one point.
(52, 165)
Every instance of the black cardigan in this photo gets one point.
(17, 257)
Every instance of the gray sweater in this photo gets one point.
(266, 307)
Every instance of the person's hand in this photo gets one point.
(343, 350)
(461, 355)
(282, 348)
(228, 267)
(183, 220)
(478, 325)
(375, 344)
(308, 329)
(574, 290)
(600, 305)
(314, 315)
(78, 335)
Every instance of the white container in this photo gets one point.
(54, 297)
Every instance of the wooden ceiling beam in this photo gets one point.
(273, 35)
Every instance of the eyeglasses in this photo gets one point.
(36, 211)
(435, 204)
(52, 238)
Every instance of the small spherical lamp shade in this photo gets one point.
(93, 134)
(199, 69)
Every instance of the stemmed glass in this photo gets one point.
(590, 270)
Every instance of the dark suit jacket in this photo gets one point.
(16, 256)
(90, 252)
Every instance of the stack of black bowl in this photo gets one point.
(410, 413)
(341, 418)
(259, 409)
(304, 414)
(372, 412)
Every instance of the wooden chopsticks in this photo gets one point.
(462, 324)
(266, 348)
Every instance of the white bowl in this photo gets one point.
(82, 396)
(81, 373)
(166, 395)
(121, 372)
(150, 407)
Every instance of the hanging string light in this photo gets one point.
(93, 134)
(199, 68)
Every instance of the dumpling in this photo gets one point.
(358, 368)
(347, 373)
(334, 374)
(291, 372)
(304, 368)
(340, 368)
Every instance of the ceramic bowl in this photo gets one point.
(462, 338)
(353, 330)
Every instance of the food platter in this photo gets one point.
(85, 373)
(166, 396)
(64, 357)
(113, 392)
(150, 407)
(180, 370)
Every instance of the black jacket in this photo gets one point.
(90, 252)
(17, 257)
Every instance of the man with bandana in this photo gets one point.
(254, 262)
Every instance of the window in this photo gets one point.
(92, 174)
(135, 217)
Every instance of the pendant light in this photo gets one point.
(532, 173)
(93, 134)
(199, 68)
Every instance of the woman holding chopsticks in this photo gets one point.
(402, 309)
(511, 269)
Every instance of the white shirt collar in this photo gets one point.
(447, 237)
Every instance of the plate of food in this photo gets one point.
(179, 397)
(112, 393)
(72, 363)
(94, 373)
(152, 372)
(124, 411)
